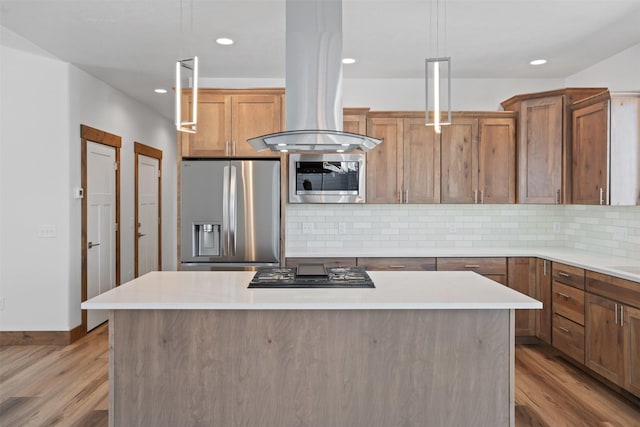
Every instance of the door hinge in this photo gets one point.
(115, 166)
(116, 225)
(158, 170)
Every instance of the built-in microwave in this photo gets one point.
(327, 178)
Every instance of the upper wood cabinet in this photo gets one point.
(544, 143)
(606, 149)
(354, 120)
(478, 158)
(227, 118)
(405, 168)
(590, 139)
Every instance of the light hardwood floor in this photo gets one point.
(68, 386)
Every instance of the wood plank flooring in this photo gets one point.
(44, 385)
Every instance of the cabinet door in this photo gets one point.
(521, 277)
(254, 115)
(354, 121)
(459, 161)
(632, 349)
(214, 126)
(421, 162)
(589, 152)
(384, 163)
(540, 150)
(397, 264)
(497, 160)
(543, 294)
(604, 338)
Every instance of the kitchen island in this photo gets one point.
(421, 349)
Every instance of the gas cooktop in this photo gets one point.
(311, 276)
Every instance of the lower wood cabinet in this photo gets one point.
(567, 302)
(543, 294)
(398, 264)
(330, 262)
(521, 277)
(568, 337)
(495, 268)
(612, 329)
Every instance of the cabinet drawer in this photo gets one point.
(568, 302)
(568, 337)
(485, 266)
(615, 288)
(568, 274)
(398, 264)
(331, 262)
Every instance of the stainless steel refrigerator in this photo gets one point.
(229, 214)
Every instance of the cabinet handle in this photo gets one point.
(400, 196)
(475, 196)
(234, 147)
(565, 296)
(601, 196)
(396, 266)
(471, 266)
(616, 311)
(558, 197)
(564, 330)
(406, 196)
(621, 315)
(482, 197)
(544, 267)
(226, 148)
(563, 274)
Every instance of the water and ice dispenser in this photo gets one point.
(206, 239)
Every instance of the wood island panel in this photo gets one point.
(311, 367)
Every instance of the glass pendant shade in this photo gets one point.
(438, 92)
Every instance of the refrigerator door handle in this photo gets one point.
(225, 211)
(233, 210)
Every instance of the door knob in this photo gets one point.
(91, 244)
(140, 235)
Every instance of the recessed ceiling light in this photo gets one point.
(538, 62)
(348, 60)
(160, 90)
(224, 41)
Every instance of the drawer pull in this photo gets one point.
(471, 266)
(563, 274)
(564, 330)
(565, 296)
(397, 266)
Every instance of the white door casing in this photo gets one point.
(101, 225)
(148, 170)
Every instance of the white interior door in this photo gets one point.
(148, 169)
(101, 225)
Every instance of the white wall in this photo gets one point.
(619, 73)
(43, 103)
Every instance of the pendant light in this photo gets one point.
(190, 64)
(437, 70)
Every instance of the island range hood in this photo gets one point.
(314, 83)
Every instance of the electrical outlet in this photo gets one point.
(556, 227)
(47, 231)
(620, 233)
(342, 227)
(453, 228)
(307, 228)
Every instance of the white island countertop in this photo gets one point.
(227, 290)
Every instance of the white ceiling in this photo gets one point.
(133, 44)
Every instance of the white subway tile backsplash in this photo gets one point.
(602, 229)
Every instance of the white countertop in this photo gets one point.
(226, 290)
(624, 268)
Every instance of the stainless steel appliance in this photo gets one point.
(311, 276)
(230, 214)
(327, 178)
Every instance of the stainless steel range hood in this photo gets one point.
(314, 83)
